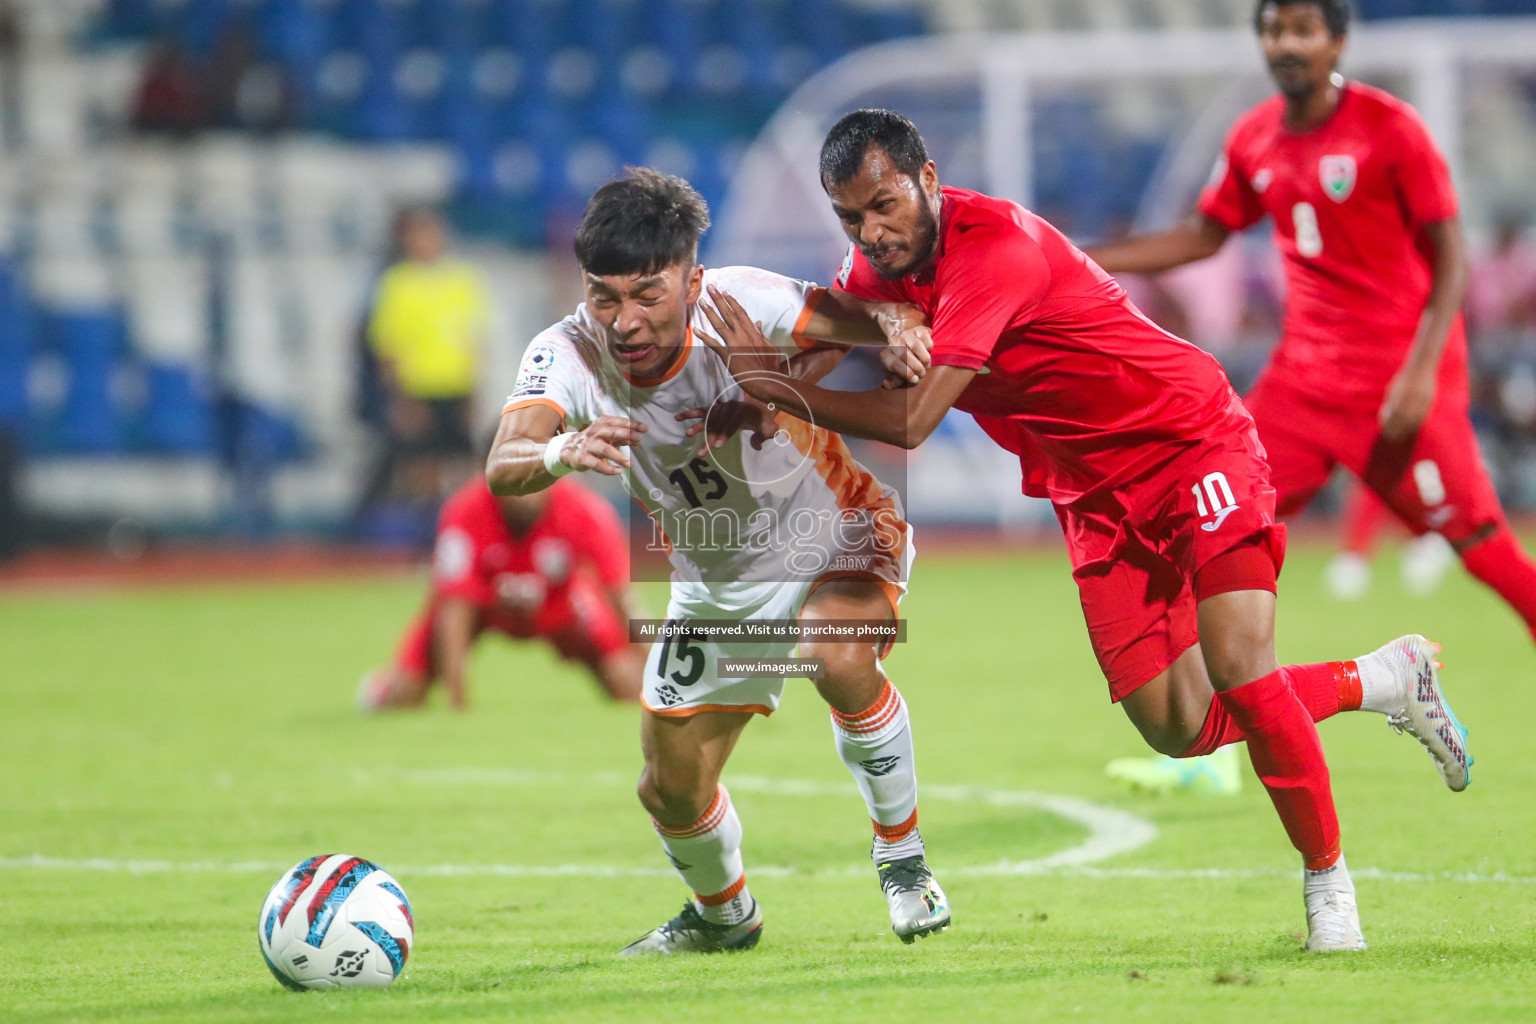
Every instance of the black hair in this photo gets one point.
(842, 154)
(1335, 13)
(641, 223)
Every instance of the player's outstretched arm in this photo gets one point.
(903, 418)
(453, 631)
(1197, 237)
(1412, 391)
(530, 452)
(846, 319)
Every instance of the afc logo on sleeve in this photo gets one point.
(845, 269)
(533, 376)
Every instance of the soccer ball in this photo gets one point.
(335, 921)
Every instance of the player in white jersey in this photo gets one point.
(764, 518)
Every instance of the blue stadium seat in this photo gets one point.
(381, 113)
(201, 23)
(178, 418)
(822, 27)
(609, 27)
(878, 26)
(15, 346)
(92, 342)
(291, 32)
(621, 121)
(1384, 8)
(132, 19)
(678, 28)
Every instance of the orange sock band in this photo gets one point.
(896, 833)
(879, 714)
(708, 821)
(725, 895)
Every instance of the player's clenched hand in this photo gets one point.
(741, 344)
(1408, 401)
(906, 356)
(724, 420)
(598, 446)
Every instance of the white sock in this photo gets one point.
(707, 854)
(1333, 879)
(876, 745)
(1382, 688)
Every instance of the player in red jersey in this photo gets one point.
(1371, 369)
(1149, 457)
(552, 565)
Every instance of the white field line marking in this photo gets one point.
(1110, 832)
(153, 867)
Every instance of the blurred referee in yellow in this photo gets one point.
(427, 327)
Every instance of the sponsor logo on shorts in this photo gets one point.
(1214, 499)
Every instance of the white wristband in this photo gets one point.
(552, 452)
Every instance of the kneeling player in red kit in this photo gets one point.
(551, 565)
(1151, 462)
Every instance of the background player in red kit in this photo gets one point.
(1151, 462)
(552, 565)
(1371, 369)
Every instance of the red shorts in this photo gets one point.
(1200, 525)
(579, 621)
(1435, 480)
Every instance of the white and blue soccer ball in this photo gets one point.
(335, 921)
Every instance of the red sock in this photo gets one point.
(1503, 565)
(1288, 757)
(1324, 690)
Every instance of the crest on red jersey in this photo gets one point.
(1338, 176)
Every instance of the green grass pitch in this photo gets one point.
(170, 751)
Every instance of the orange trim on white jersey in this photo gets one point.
(672, 371)
(756, 709)
(811, 302)
(526, 402)
(852, 485)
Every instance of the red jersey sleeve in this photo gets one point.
(1228, 197)
(991, 279)
(1420, 172)
(456, 556)
(596, 534)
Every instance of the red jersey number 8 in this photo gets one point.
(1309, 240)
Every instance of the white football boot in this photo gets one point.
(1424, 714)
(1333, 922)
(688, 932)
(918, 906)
